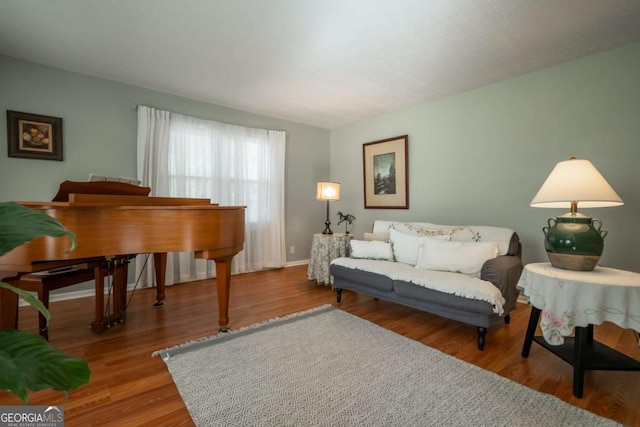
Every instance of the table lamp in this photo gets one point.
(328, 191)
(574, 241)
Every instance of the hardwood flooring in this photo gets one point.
(129, 387)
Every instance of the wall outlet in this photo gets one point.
(292, 250)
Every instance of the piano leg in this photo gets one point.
(160, 265)
(98, 323)
(223, 281)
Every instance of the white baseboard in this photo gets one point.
(64, 296)
(296, 263)
(523, 299)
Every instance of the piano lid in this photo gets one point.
(99, 187)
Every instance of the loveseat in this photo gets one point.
(464, 273)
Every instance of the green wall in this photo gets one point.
(479, 157)
(99, 134)
(475, 158)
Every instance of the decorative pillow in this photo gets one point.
(371, 250)
(406, 247)
(457, 257)
(382, 237)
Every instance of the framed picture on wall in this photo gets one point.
(33, 136)
(386, 173)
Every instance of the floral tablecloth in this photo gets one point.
(325, 248)
(579, 298)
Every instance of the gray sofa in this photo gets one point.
(481, 295)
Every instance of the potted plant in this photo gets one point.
(27, 360)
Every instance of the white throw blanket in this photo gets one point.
(451, 283)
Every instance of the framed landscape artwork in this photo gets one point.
(386, 173)
(33, 136)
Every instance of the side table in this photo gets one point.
(324, 248)
(580, 299)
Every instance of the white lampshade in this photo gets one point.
(328, 191)
(576, 180)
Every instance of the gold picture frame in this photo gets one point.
(386, 173)
(34, 136)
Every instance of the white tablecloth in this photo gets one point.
(324, 249)
(579, 298)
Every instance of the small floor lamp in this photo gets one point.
(574, 241)
(329, 191)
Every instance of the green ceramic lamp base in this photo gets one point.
(574, 241)
(573, 262)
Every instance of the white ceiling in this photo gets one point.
(320, 62)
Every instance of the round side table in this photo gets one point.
(569, 300)
(325, 248)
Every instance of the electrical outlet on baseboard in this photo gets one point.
(292, 250)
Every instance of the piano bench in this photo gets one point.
(43, 283)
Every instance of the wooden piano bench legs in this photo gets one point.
(43, 283)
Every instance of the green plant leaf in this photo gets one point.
(32, 300)
(19, 225)
(29, 362)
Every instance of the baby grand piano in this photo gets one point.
(116, 226)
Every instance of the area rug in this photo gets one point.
(326, 367)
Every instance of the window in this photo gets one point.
(229, 164)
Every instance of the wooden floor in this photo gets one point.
(129, 387)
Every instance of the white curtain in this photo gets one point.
(182, 156)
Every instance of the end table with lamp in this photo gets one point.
(327, 245)
(573, 292)
(568, 300)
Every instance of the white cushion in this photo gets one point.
(383, 237)
(454, 256)
(371, 250)
(406, 246)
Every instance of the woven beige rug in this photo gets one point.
(326, 367)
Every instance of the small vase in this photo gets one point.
(574, 241)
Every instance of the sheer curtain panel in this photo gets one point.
(182, 156)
